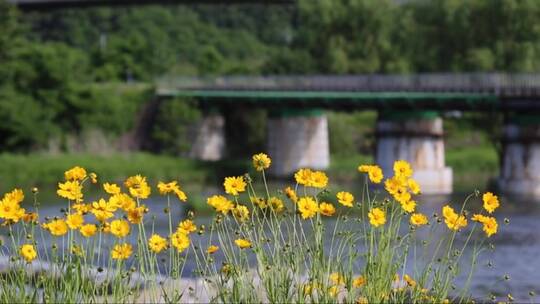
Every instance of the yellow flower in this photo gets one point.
(333, 291)
(157, 243)
(307, 207)
(93, 178)
(211, 249)
(409, 206)
(418, 219)
(377, 217)
(220, 203)
(309, 288)
(362, 300)
(28, 252)
(345, 198)
(102, 210)
(402, 196)
(105, 227)
(258, 201)
(303, 177)
(448, 211)
(74, 221)
(57, 227)
(186, 227)
(71, 190)
(452, 219)
(135, 215)
(134, 180)
(413, 186)
(15, 196)
(336, 278)
(226, 268)
(123, 201)
(318, 179)
(75, 174)
(142, 191)
(491, 202)
(402, 169)
(359, 281)
(111, 188)
(30, 217)
(393, 185)
(180, 241)
(241, 213)
(180, 195)
(276, 204)
(10, 210)
(409, 280)
(165, 188)
(490, 226)
(327, 209)
(138, 187)
(88, 230)
(77, 250)
(375, 174)
(261, 161)
(120, 228)
(364, 168)
(456, 223)
(242, 243)
(81, 208)
(479, 218)
(121, 251)
(291, 194)
(234, 185)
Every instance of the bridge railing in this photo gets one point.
(500, 84)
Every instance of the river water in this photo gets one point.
(516, 253)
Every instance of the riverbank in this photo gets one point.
(473, 167)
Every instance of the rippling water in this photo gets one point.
(516, 254)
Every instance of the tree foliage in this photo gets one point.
(50, 62)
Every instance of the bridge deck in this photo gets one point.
(431, 91)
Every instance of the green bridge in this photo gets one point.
(478, 91)
(410, 125)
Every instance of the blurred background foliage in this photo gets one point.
(66, 73)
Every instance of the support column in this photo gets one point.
(520, 159)
(297, 139)
(416, 137)
(209, 138)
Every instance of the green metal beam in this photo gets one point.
(407, 115)
(524, 119)
(328, 96)
(286, 112)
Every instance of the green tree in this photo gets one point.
(173, 126)
(348, 36)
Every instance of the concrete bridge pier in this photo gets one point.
(520, 159)
(209, 137)
(297, 139)
(416, 137)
